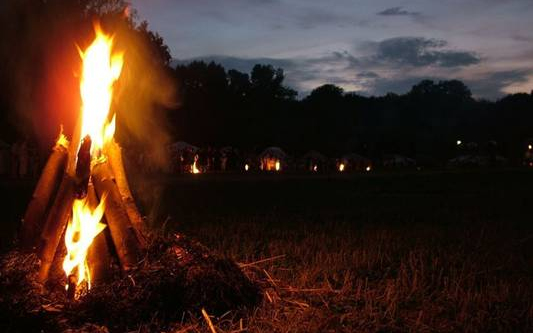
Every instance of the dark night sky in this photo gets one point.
(370, 46)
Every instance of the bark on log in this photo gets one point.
(60, 212)
(122, 232)
(33, 220)
(117, 166)
(98, 256)
(55, 225)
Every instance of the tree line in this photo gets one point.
(224, 107)
(254, 110)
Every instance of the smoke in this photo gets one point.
(40, 67)
(145, 92)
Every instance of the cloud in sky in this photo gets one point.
(397, 11)
(392, 57)
(419, 51)
(363, 45)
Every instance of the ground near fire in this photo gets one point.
(397, 251)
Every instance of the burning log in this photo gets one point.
(122, 232)
(98, 256)
(42, 195)
(61, 210)
(117, 165)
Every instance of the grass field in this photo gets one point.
(430, 251)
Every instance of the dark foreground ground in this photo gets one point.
(429, 251)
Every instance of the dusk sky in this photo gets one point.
(369, 46)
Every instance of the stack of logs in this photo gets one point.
(68, 175)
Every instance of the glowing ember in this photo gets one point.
(101, 68)
(81, 230)
(341, 167)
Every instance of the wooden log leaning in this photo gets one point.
(60, 213)
(34, 217)
(98, 255)
(122, 231)
(55, 225)
(117, 166)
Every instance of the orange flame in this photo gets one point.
(83, 227)
(101, 69)
(62, 140)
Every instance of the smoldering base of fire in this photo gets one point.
(177, 277)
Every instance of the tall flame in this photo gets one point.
(101, 69)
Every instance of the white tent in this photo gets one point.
(314, 161)
(398, 161)
(273, 159)
(477, 161)
(180, 146)
(354, 162)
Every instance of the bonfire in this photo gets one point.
(82, 231)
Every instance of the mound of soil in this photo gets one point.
(176, 276)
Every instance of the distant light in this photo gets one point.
(529, 147)
(315, 168)
(278, 166)
(246, 167)
(341, 167)
(368, 168)
(459, 142)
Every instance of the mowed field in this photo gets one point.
(421, 251)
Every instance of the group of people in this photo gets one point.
(205, 160)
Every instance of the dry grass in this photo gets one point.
(435, 252)
(336, 280)
(439, 256)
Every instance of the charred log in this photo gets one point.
(83, 168)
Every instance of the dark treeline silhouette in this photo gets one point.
(255, 110)
(220, 107)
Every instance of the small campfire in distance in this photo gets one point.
(194, 166)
